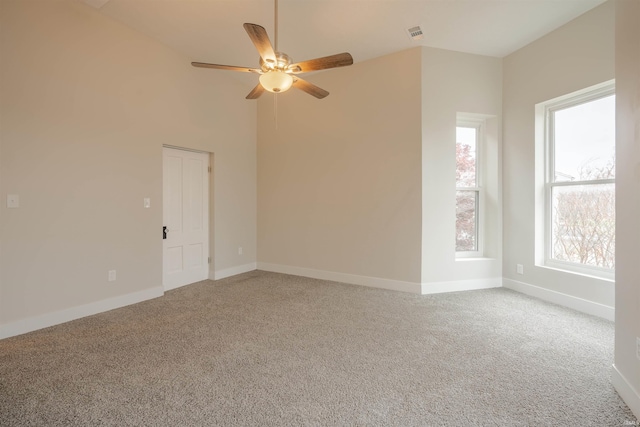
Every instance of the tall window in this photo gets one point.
(580, 182)
(467, 190)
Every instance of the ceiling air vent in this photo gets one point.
(415, 33)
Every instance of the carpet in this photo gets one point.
(267, 349)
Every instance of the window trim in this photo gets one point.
(479, 125)
(584, 96)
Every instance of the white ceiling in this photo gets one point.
(211, 30)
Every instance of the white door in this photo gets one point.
(186, 217)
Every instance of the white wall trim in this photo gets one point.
(460, 285)
(630, 395)
(50, 319)
(232, 271)
(583, 305)
(353, 279)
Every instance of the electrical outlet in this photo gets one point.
(519, 268)
(638, 347)
(240, 250)
(112, 275)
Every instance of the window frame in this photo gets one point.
(478, 125)
(550, 107)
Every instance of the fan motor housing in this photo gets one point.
(282, 63)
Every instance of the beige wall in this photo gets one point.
(627, 364)
(577, 55)
(339, 179)
(354, 187)
(453, 83)
(86, 106)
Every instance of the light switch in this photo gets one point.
(13, 201)
(147, 202)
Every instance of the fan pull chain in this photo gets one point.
(275, 109)
(275, 95)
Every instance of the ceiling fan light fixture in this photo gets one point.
(276, 81)
(276, 68)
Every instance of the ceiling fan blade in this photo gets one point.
(226, 67)
(311, 89)
(260, 39)
(332, 61)
(256, 92)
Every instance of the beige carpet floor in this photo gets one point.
(266, 349)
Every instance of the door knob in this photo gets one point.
(164, 232)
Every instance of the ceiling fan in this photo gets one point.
(278, 73)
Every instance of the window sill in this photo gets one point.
(475, 258)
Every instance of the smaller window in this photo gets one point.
(468, 193)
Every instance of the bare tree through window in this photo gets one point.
(584, 220)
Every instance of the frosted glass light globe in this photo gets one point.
(276, 81)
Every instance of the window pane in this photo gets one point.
(466, 157)
(584, 141)
(583, 224)
(466, 223)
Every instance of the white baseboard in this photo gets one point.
(630, 395)
(50, 319)
(579, 304)
(460, 285)
(232, 271)
(353, 279)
